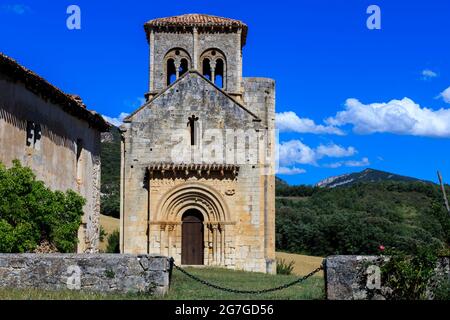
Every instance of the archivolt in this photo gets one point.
(193, 196)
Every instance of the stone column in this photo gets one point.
(162, 240)
(195, 54)
(210, 240)
(239, 63)
(222, 244)
(152, 61)
(170, 238)
(212, 65)
(177, 67)
(216, 243)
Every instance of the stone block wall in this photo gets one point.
(195, 45)
(246, 236)
(88, 272)
(359, 277)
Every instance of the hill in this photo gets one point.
(368, 175)
(361, 217)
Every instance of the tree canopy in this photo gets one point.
(31, 213)
(361, 218)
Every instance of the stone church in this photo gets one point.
(198, 157)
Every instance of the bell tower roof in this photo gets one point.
(200, 21)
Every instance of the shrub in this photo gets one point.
(409, 276)
(113, 242)
(442, 292)
(103, 234)
(30, 213)
(285, 268)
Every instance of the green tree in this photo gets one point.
(31, 213)
(359, 218)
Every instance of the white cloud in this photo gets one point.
(364, 162)
(117, 121)
(335, 151)
(428, 74)
(19, 9)
(296, 152)
(445, 95)
(290, 171)
(290, 122)
(397, 116)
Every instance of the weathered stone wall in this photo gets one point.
(238, 210)
(359, 277)
(89, 272)
(246, 236)
(53, 159)
(228, 43)
(259, 98)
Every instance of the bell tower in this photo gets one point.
(198, 158)
(209, 44)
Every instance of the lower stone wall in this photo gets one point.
(359, 277)
(90, 272)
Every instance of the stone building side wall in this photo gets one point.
(259, 98)
(54, 160)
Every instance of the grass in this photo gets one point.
(183, 288)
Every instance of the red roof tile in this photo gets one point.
(198, 20)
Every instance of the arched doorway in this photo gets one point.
(192, 238)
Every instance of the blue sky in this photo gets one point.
(348, 97)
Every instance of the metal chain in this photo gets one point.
(209, 284)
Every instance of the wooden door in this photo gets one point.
(192, 238)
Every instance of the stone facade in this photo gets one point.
(200, 145)
(55, 135)
(105, 273)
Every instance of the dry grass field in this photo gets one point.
(109, 224)
(303, 264)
